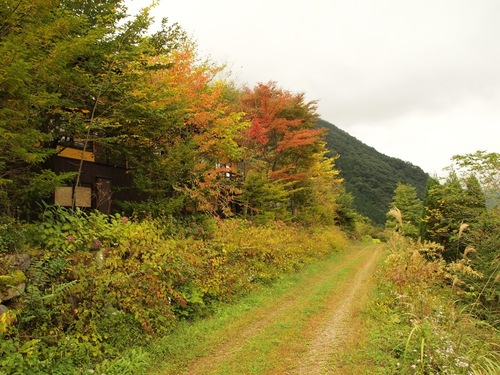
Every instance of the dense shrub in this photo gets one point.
(99, 284)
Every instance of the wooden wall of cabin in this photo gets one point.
(108, 183)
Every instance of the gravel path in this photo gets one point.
(336, 328)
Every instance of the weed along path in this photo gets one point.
(303, 326)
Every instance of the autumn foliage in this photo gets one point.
(282, 132)
(285, 150)
(199, 149)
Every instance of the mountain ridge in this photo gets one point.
(369, 175)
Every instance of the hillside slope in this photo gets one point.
(369, 175)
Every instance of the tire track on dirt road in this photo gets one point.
(335, 329)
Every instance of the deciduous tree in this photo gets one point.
(282, 132)
(284, 144)
(182, 139)
(62, 75)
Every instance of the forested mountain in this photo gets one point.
(369, 175)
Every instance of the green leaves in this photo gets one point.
(409, 211)
(144, 275)
(80, 71)
(67, 69)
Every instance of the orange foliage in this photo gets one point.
(192, 109)
(282, 129)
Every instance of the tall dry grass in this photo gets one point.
(429, 329)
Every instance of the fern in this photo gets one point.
(58, 290)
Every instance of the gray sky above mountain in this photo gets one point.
(417, 80)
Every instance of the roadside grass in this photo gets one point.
(413, 324)
(417, 325)
(446, 341)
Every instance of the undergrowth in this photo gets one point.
(99, 285)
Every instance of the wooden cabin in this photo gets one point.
(102, 183)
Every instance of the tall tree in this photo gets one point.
(485, 168)
(317, 198)
(429, 204)
(26, 33)
(181, 136)
(282, 132)
(450, 206)
(284, 144)
(443, 214)
(480, 172)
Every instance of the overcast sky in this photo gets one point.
(416, 79)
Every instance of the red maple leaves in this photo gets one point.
(282, 129)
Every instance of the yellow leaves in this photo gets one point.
(219, 140)
(462, 267)
(194, 110)
(431, 250)
(7, 319)
(408, 265)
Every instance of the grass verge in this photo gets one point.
(417, 324)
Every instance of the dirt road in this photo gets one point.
(305, 330)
